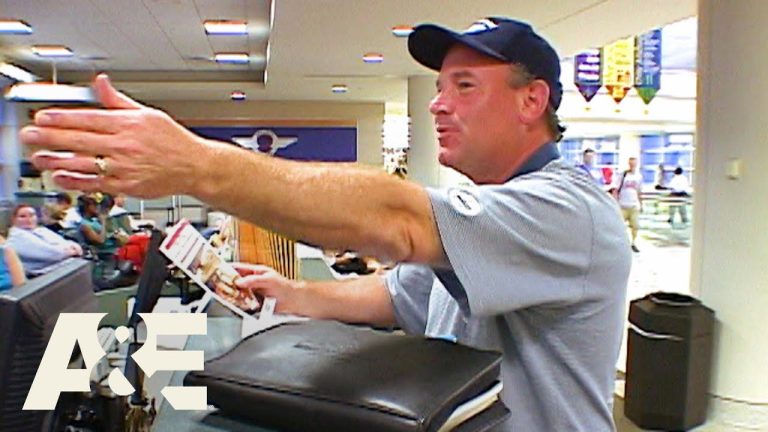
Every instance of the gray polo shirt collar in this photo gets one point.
(538, 160)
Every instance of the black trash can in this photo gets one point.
(669, 357)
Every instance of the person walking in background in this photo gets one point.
(627, 191)
(588, 165)
(680, 188)
(661, 178)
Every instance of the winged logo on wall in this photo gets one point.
(265, 141)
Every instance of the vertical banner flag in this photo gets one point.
(648, 65)
(586, 73)
(619, 67)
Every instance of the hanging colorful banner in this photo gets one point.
(619, 67)
(586, 73)
(648, 65)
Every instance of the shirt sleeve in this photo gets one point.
(410, 286)
(515, 245)
(32, 248)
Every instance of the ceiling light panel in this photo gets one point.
(52, 51)
(373, 57)
(231, 58)
(49, 92)
(402, 30)
(16, 73)
(225, 27)
(14, 27)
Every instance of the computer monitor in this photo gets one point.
(154, 272)
(28, 314)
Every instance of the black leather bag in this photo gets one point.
(327, 376)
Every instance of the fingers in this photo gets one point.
(90, 119)
(256, 282)
(109, 121)
(246, 269)
(110, 97)
(68, 161)
(85, 142)
(71, 180)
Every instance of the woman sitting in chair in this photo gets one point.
(95, 230)
(38, 247)
(11, 269)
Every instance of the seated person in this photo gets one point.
(11, 269)
(117, 216)
(52, 217)
(94, 228)
(38, 247)
(71, 216)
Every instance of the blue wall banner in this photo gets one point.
(586, 73)
(648, 65)
(325, 144)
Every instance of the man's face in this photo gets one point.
(589, 158)
(474, 109)
(632, 164)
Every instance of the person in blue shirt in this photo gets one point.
(588, 165)
(38, 247)
(11, 269)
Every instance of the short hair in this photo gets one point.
(589, 150)
(83, 201)
(63, 197)
(107, 201)
(678, 170)
(520, 76)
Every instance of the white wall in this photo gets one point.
(730, 243)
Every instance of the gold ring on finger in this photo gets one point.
(101, 165)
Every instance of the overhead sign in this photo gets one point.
(586, 73)
(618, 69)
(648, 65)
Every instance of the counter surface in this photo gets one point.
(223, 334)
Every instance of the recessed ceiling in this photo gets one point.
(158, 49)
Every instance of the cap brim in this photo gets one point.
(429, 44)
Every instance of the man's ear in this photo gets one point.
(535, 101)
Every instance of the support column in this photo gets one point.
(729, 259)
(10, 152)
(422, 156)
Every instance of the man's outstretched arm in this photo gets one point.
(143, 152)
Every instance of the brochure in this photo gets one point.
(201, 262)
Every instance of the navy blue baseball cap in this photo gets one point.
(504, 39)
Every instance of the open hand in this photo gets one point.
(124, 147)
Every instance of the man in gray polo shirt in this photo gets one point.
(533, 261)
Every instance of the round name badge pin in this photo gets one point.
(464, 202)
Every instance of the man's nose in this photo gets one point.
(439, 104)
